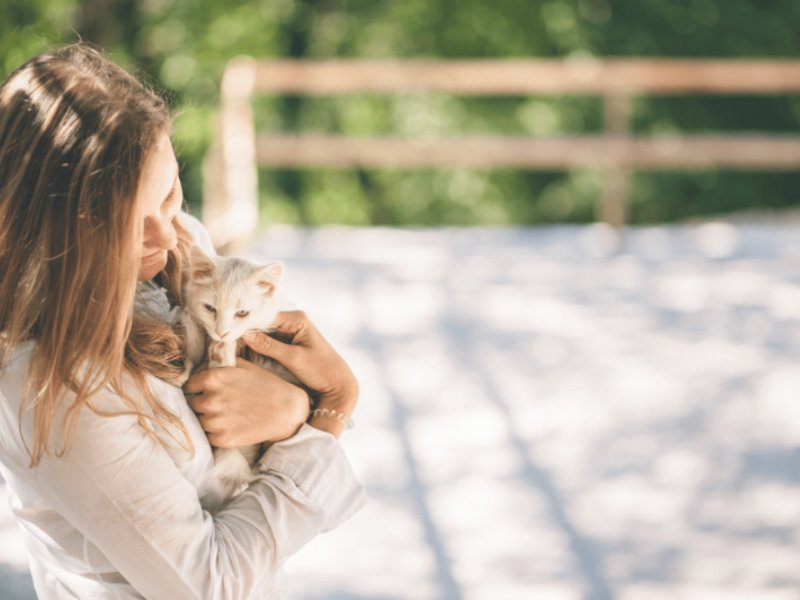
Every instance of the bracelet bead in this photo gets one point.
(329, 412)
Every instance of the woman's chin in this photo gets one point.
(152, 266)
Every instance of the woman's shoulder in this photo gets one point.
(14, 388)
(15, 369)
(20, 353)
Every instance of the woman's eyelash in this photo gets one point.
(173, 194)
(168, 200)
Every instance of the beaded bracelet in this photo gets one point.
(329, 412)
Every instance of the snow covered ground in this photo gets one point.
(544, 417)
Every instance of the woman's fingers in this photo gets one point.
(203, 381)
(195, 384)
(201, 404)
(201, 391)
(309, 357)
(291, 322)
(246, 404)
(269, 346)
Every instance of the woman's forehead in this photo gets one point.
(158, 175)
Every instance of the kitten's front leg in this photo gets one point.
(233, 467)
(222, 354)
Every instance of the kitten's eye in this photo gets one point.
(210, 308)
(241, 314)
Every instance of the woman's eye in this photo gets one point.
(242, 313)
(209, 308)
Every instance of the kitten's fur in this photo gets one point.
(224, 299)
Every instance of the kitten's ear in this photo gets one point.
(267, 277)
(201, 265)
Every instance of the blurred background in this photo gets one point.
(545, 413)
(183, 45)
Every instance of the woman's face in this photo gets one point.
(160, 197)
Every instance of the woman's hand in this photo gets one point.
(314, 362)
(244, 405)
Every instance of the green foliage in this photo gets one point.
(183, 45)
(30, 27)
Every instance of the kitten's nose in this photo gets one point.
(222, 334)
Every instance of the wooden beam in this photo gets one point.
(511, 76)
(757, 152)
(612, 207)
(616, 152)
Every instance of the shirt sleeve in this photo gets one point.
(123, 491)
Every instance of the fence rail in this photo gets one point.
(231, 202)
(744, 151)
(491, 77)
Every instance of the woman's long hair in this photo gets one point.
(75, 131)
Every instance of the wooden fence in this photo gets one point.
(230, 207)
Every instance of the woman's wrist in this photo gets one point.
(343, 417)
(330, 421)
(287, 423)
(343, 399)
(303, 408)
(334, 412)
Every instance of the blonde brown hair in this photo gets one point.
(75, 131)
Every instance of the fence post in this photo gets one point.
(231, 210)
(612, 208)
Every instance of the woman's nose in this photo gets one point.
(162, 236)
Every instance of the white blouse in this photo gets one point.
(118, 515)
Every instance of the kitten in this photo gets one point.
(224, 299)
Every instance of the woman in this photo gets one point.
(103, 459)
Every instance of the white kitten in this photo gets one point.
(224, 299)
